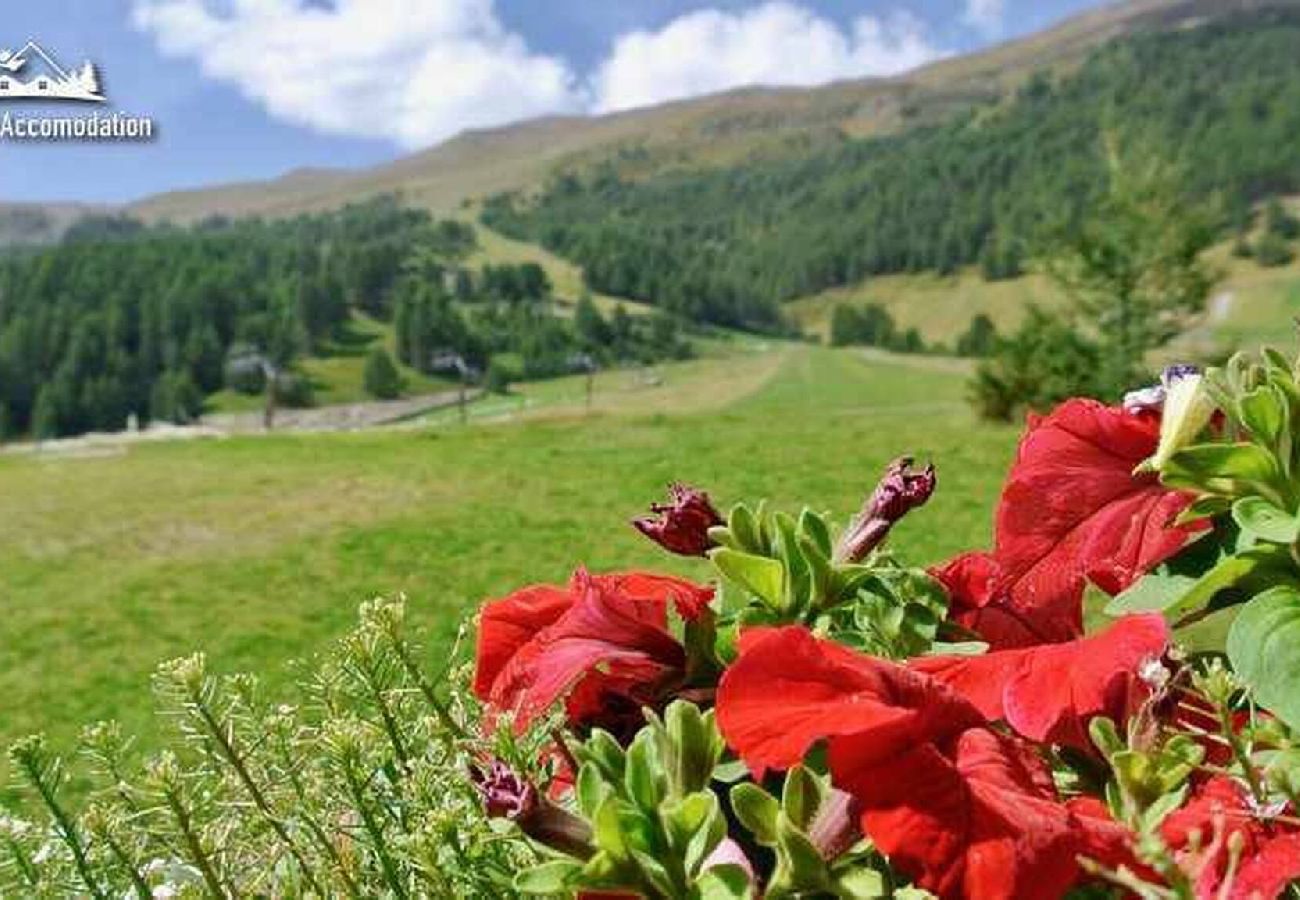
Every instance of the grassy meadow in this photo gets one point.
(257, 550)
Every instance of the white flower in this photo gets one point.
(1153, 673)
(1188, 410)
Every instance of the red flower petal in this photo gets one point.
(506, 625)
(1220, 808)
(1050, 693)
(690, 600)
(1266, 874)
(981, 822)
(964, 811)
(788, 690)
(1072, 509)
(603, 644)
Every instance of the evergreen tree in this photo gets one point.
(381, 378)
(979, 338)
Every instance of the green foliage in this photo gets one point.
(1133, 264)
(1272, 251)
(123, 319)
(357, 789)
(1280, 222)
(1249, 478)
(796, 828)
(776, 569)
(1044, 362)
(654, 820)
(979, 339)
(872, 326)
(728, 244)
(381, 378)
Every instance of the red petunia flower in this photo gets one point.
(963, 810)
(602, 645)
(1220, 810)
(1072, 511)
(1051, 692)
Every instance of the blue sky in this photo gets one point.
(244, 89)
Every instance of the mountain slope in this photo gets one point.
(713, 130)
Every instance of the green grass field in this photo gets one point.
(258, 550)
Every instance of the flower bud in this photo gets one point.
(1187, 410)
(507, 795)
(900, 491)
(682, 526)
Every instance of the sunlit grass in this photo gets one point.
(258, 549)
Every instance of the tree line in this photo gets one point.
(728, 244)
(124, 320)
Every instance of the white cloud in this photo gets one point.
(774, 44)
(413, 71)
(418, 71)
(986, 15)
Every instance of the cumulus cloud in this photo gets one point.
(774, 44)
(985, 14)
(413, 71)
(418, 71)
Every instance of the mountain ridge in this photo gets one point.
(701, 131)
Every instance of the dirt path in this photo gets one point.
(343, 417)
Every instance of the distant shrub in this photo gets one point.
(381, 378)
(980, 337)
(1045, 361)
(499, 377)
(869, 325)
(1272, 251)
(1278, 221)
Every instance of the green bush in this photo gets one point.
(1044, 362)
(1272, 251)
(381, 378)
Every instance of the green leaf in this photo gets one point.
(763, 577)
(808, 870)
(1265, 521)
(731, 771)
(757, 811)
(1264, 648)
(729, 882)
(548, 878)
(592, 789)
(696, 746)
(802, 796)
(813, 527)
(607, 829)
(1176, 589)
(602, 750)
(1206, 507)
(860, 883)
(744, 529)
(1220, 468)
(1265, 412)
(686, 817)
(645, 781)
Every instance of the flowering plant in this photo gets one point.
(1107, 701)
(1104, 703)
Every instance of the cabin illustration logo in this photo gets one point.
(34, 74)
